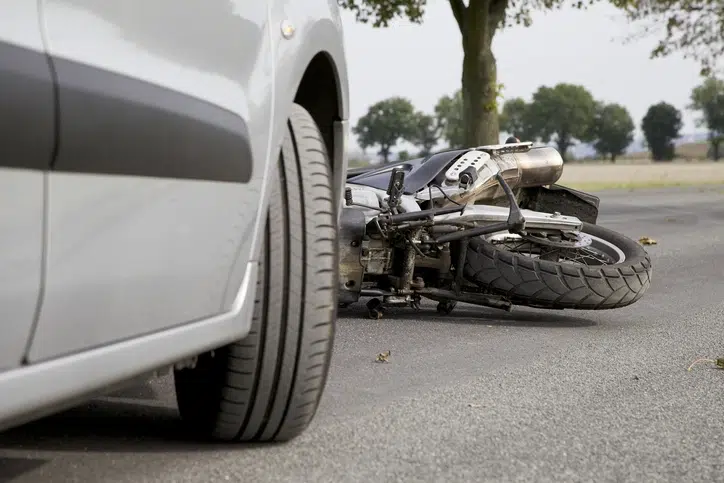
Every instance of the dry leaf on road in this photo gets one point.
(644, 240)
(717, 362)
(384, 356)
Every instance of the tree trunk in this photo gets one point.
(563, 144)
(385, 153)
(478, 24)
(715, 150)
(613, 158)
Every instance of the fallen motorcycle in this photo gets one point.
(486, 226)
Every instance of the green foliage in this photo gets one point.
(613, 130)
(449, 114)
(385, 124)
(379, 13)
(565, 113)
(478, 21)
(708, 98)
(403, 155)
(694, 28)
(492, 105)
(661, 126)
(426, 133)
(382, 12)
(516, 119)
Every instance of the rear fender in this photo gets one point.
(566, 201)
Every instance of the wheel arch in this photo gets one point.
(320, 93)
(322, 89)
(311, 70)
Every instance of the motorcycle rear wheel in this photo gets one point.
(620, 278)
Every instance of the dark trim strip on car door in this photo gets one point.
(113, 124)
(27, 108)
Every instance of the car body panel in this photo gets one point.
(115, 224)
(318, 30)
(21, 249)
(163, 113)
(40, 389)
(27, 123)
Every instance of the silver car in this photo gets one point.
(170, 178)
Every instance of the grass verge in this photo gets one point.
(612, 185)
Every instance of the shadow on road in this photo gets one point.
(11, 468)
(143, 419)
(113, 424)
(103, 426)
(471, 315)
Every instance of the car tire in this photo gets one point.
(267, 386)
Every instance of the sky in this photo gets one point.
(424, 62)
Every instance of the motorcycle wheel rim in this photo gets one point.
(598, 252)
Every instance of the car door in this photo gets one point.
(154, 192)
(26, 147)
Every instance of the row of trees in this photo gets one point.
(693, 27)
(564, 114)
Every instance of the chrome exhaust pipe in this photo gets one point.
(538, 167)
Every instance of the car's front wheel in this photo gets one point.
(267, 386)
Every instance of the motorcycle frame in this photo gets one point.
(391, 213)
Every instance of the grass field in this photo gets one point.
(690, 152)
(593, 177)
(638, 170)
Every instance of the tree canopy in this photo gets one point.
(403, 155)
(385, 124)
(563, 114)
(449, 113)
(661, 126)
(708, 99)
(516, 119)
(425, 133)
(692, 26)
(613, 130)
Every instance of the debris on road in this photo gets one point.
(719, 363)
(473, 405)
(384, 356)
(644, 240)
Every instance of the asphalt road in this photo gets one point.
(479, 395)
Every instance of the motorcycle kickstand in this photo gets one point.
(447, 306)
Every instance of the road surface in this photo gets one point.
(480, 395)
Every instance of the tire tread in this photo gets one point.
(546, 284)
(273, 379)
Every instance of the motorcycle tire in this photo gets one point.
(533, 282)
